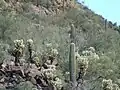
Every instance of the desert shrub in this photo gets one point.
(47, 29)
(24, 86)
(3, 48)
(5, 24)
(99, 67)
(3, 4)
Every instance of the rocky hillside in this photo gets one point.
(49, 21)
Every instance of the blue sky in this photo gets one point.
(109, 9)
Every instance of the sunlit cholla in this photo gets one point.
(47, 70)
(83, 64)
(49, 74)
(57, 83)
(54, 52)
(107, 84)
(19, 46)
(19, 43)
(18, 50)
(30, 42)
(49, 45)
(53, 67)
(115, 87)
(91, 49)
(95, 56)
(90, 53)
(37, 61)
(34, 53)
(86, 53)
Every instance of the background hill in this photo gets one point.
(48, 21)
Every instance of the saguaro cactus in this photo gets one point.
(105, 24)
(72, 64)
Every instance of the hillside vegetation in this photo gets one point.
(49, 21)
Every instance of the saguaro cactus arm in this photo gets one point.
(72, 34)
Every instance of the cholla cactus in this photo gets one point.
(19, 43)
(83, 64)
(51, 51)
(54, 52)
(29, 44)
(92, 49)
(115, 87)
(18, 50)
(53, 67)
(57, 83)
(83, 60)
(51, 55)
(86, 53)
(49, 45)
(107, 84)
(37, 61)
(48, 73)
(47, 70)
(90, 53)
(95, 56)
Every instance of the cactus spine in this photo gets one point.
(72, 64)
